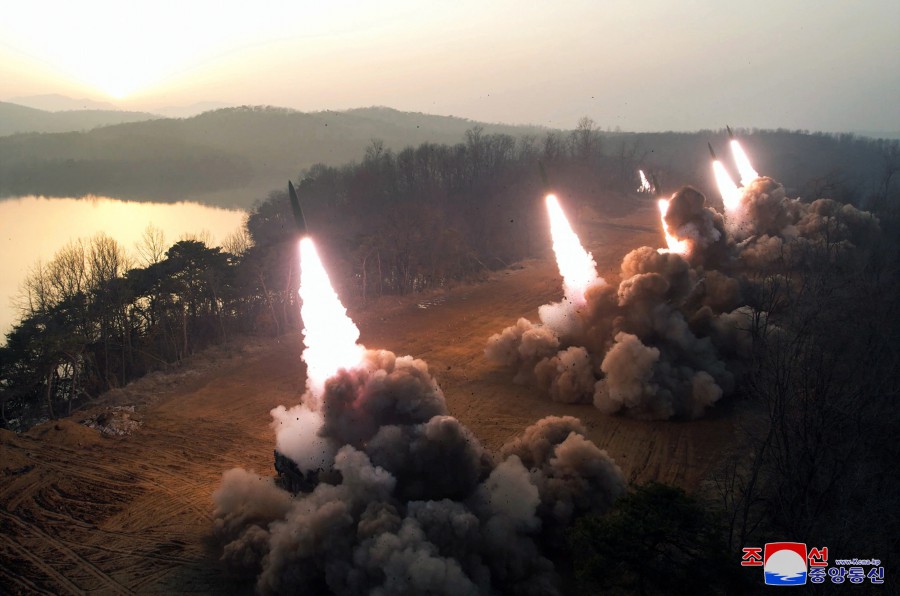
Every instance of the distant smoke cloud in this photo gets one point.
(671, 339)
(403, 499)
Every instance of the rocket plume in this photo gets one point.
(576, 265)
(731, 194)
(645, 184)
(674, 245)
(329, 334)
(745, 168)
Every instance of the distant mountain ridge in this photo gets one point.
(58, 113)
(15, 119)
(234, 157)
(54, 102)
(227, 157)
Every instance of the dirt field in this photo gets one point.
(84, 512)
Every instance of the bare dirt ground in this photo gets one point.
(80, 511)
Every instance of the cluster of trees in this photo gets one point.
(417, 218)
(92, 320)
(816, 458)
(395, 223)
(814, 453)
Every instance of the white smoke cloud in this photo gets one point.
(297, 436)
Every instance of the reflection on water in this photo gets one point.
(33, 228)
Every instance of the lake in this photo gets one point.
(33, 228)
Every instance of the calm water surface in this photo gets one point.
(33, 228)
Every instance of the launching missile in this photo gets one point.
(730, 132)
(298, 211)
(544, 176)
(711, 152)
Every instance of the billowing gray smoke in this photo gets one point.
(769, 228)
(410, 502)
(672, 338)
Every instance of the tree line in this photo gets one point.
(393, 223)
(94, 318)
(396, 222)
(813, 455)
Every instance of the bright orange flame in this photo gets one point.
(745, 168)
(674, 244)
(731, 194)
(329, 334)
(576, 265)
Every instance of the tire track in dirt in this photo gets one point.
(25, 554)
(54, 543)
(25, 585)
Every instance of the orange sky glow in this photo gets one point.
(650, 65)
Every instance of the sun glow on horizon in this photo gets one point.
(141, 47)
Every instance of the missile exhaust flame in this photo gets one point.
(674, 244)
(745, 168)
(329, 334)
(731, 194)
(645, 184)
(576, 265)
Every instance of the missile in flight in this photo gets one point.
(297, 210)
(711, 152)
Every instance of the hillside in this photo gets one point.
(234, 157)
(228, 157)
(56, 102)
(15, 118)
(124, 514)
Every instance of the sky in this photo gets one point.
(637, 65)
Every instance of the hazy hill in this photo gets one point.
(15, 118)
(191, 109)
(236, 156)
(232, 156)
(54, 102)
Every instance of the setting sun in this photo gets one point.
(122, 50)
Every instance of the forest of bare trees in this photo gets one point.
(93, 318)
(813, 457)
(393, 223)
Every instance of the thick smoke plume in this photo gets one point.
(672, 338)
(400, 498)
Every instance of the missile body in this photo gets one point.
(297, 210)
(544, 176)
(711, 152)
(730, 132)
